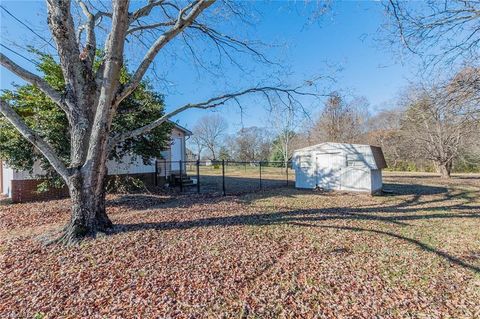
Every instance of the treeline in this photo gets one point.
(432, 128)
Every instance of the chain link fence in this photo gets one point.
(224, 177)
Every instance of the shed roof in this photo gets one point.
(378, 156)
(369, 150)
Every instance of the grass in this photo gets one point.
(414, 253)
(239, 178)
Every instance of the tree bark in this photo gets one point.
(90, 98)
(88, 217)
(445, 169)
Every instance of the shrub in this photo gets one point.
(125, 184)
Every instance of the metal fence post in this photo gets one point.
(198, 176)
(181, 176)
(165, 169)
(223, 177)
(260, 174)
(286, 169)
(156, 172)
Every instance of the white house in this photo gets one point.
(22, 185)
(339, 166)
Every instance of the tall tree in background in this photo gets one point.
(209, 133)
(284, 122)
(340, 121)
(445, 34)
(440, 119)
(250, 144)
(197, 144)
(384, 130)
(91, 95)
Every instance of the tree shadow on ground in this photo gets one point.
(158, 201)
(304, 218)
(397, 214)
(475, 176)
(416, 204)
(412, 189)
(419, 244)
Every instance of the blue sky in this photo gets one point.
(342, 43)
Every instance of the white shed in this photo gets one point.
(339, 166)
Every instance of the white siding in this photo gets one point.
(336, 166)
(37, 172)
(356, 179)
(7, 180)
(129, 165)
(179, 137)
(176, 153)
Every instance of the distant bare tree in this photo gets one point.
(284, 122)
(196, 142)
(443, 118)
(209, 133)
(384, 130)
(440, 119)
(340, 121)
(251, 144)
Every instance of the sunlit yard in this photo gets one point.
(414, 252)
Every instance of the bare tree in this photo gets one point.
(440, 31)
(384, 130)
(93, 92)
(284, 122)
(440, 118)
(250, 144)
(446, 35)
(340, 121)
(209, 133)
(197, 145)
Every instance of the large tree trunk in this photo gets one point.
(445, 169)
(89, 215)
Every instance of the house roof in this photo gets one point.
(373, 152)
(181, 128)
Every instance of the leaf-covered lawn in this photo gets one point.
(414, 253)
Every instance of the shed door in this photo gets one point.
(176, 150)
(329, 170)
(305, 171)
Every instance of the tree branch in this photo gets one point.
(182, 22)
(210, 103)
(34, 138)
(90, 42)
(223, 39)
(145, 10)
(150, 26)
(396, 8)
(111, 73)
(76, 74)
(40, 83)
